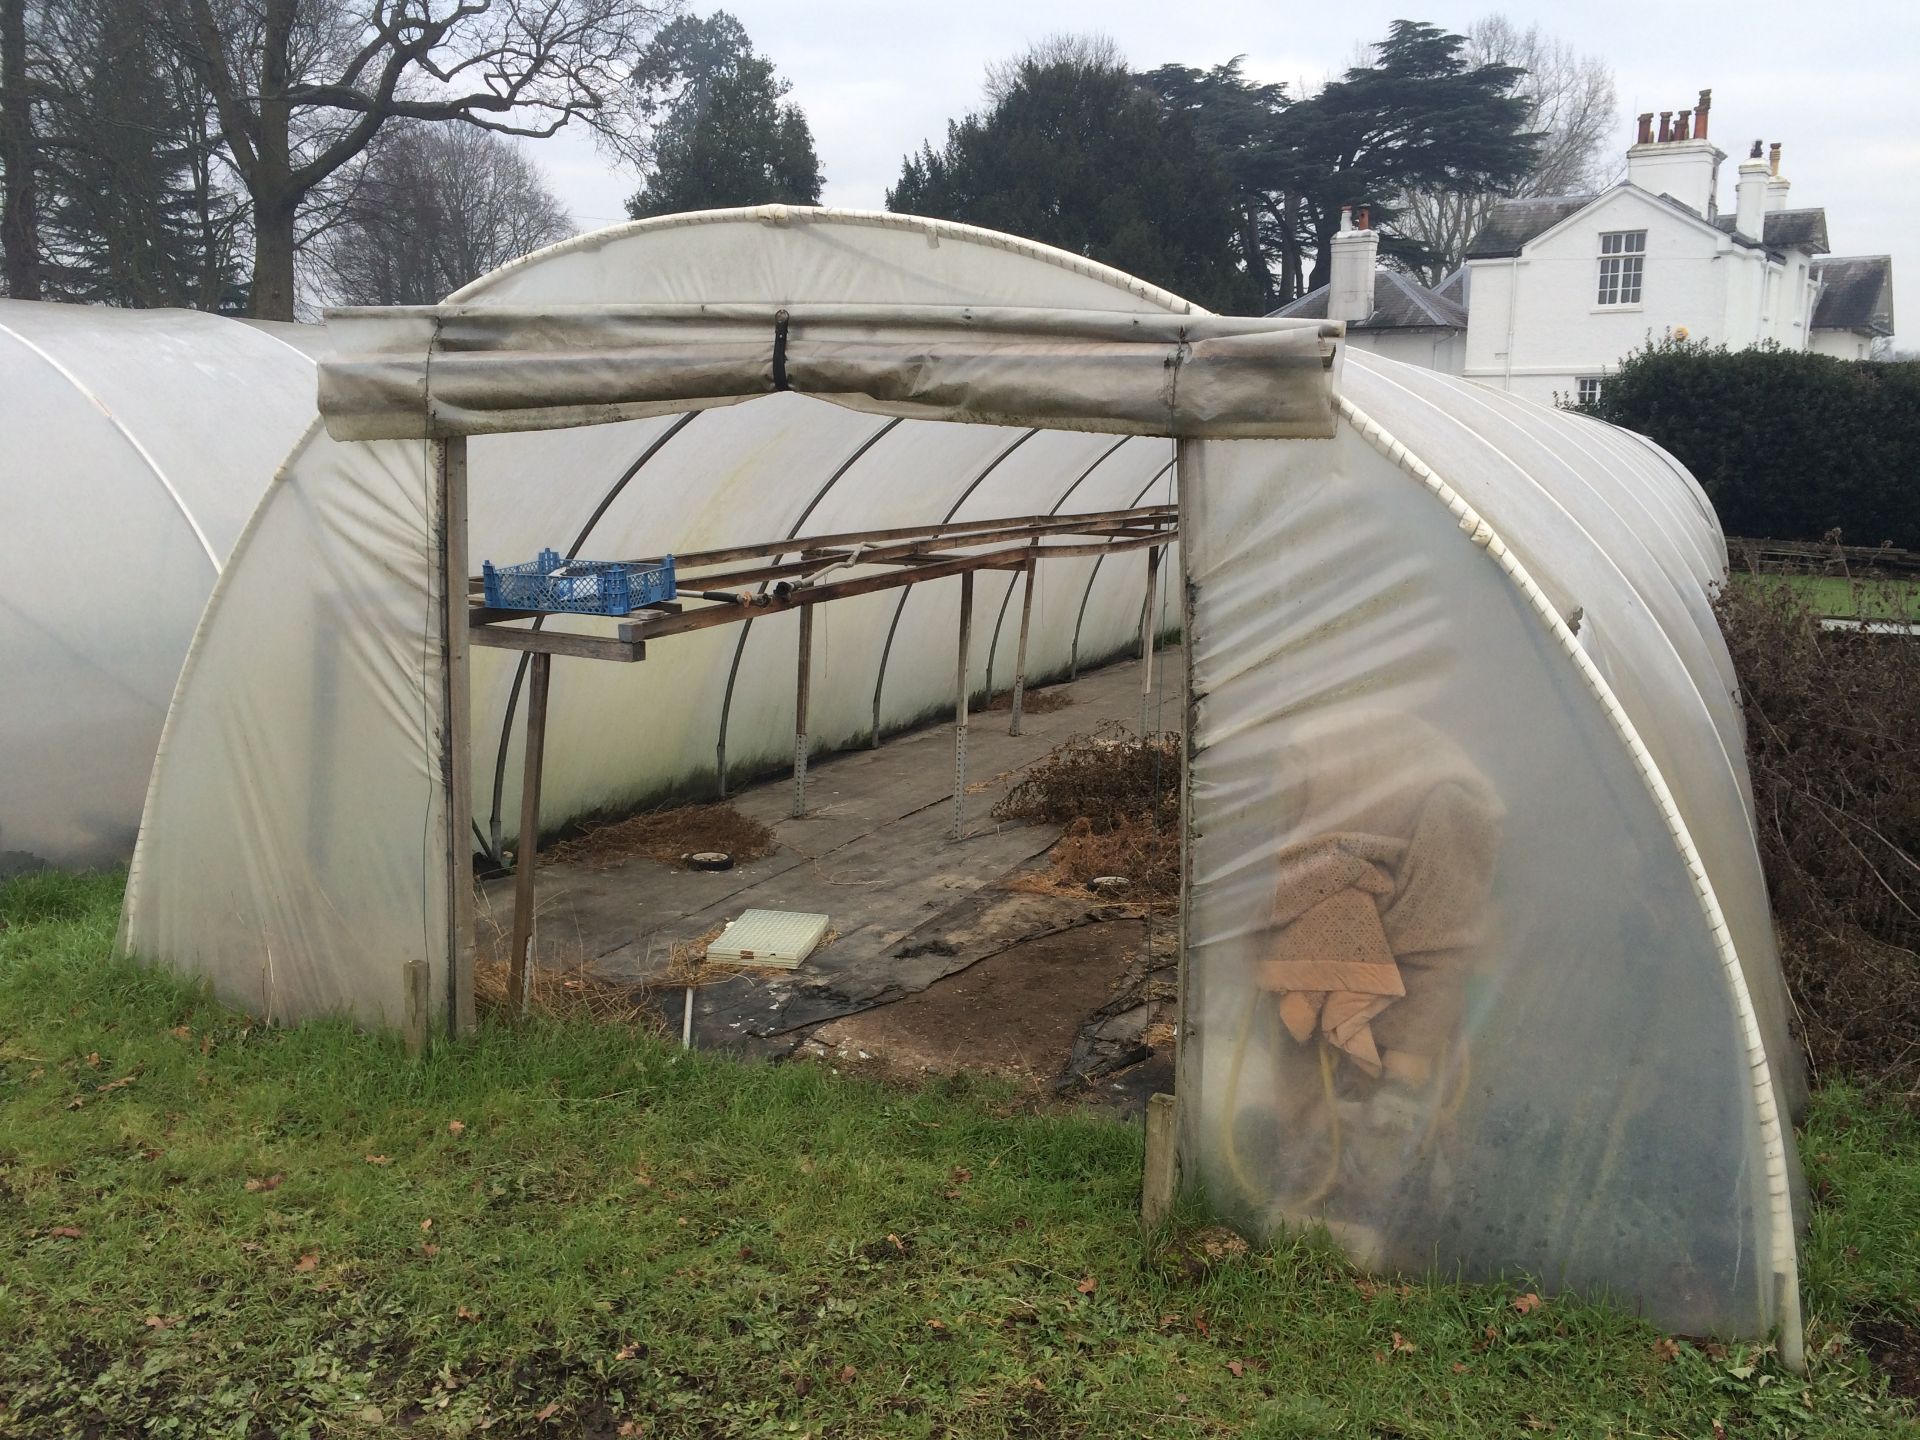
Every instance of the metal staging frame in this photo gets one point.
(738, 584)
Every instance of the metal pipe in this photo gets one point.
(960, 707)
(1020, 658)
(520, 959)
(1146, 638)
(802, 693)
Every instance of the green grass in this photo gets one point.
(616, 1239)
(1841, 598)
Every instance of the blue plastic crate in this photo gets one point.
(580, 587)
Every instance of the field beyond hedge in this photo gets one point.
(214, 1229)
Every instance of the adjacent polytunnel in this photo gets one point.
(137, 443)
(1478, 969)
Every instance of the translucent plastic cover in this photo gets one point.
(1450, 988)
(136, 443)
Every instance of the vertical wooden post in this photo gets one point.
(960, 707)
(449, 461)
(526, 856)
(1020, 658)
(802, 694)
(1158, 1183)
(1146, 636)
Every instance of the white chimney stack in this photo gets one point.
(1356, 250)
(1777, 184)
(1679, 161)
(1750, 192)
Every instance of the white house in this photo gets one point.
(1556, 289)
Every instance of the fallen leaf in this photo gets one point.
(93, 1059)
(463, 1313)
(151, 1153)
(1038, 1384)
(67, 1232)
(551, 1408)
(961, 1175)
(120, 1084)
(371, 1415)
(379, 1159)
(897, 1243)
(936, 1324)
(162, 1322)
(847, 1372)
(429, 1251)
(1528, 1303)
(426, 1225)
(630, 1428)
(306, 1263)
(1665, 1349)
(1087, 1285)
(1236, 1368)
(77, 1103)
(626, 1352)
(183, 1032)
(270, 1182)
(1402, 1345)
(1460, 1367)
(456, 1128)
(1200, 1324)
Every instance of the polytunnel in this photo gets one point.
(137, 443)
(1477, 965)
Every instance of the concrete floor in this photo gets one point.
(908, 905)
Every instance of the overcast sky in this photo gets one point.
(1838, 84)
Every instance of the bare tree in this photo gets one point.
(435, 206)
(1570, 103)
(19, 206)
(302, 87)
(1091, 50)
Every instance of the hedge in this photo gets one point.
(1790, 446)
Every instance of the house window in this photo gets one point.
(1623, 254)
(1587, 389)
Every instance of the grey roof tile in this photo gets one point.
(1399, 303)
(1514, 222)
(1856, 293)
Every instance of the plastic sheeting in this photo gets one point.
(473, 370)
(136, 445)
(1478, 968)
(1451, 990)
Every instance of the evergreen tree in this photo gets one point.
(1421, 117)
(1075, 153)
(728, 136)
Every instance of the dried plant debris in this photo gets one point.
(665, 836)
(1833, 744)
(566, 993)
(1103, 778)
(1117, 796)
(1033, 702)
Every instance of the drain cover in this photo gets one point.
(778, 939)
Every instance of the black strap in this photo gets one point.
(780, 350)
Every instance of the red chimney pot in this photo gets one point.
(1666, 126)
(1700, 114)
